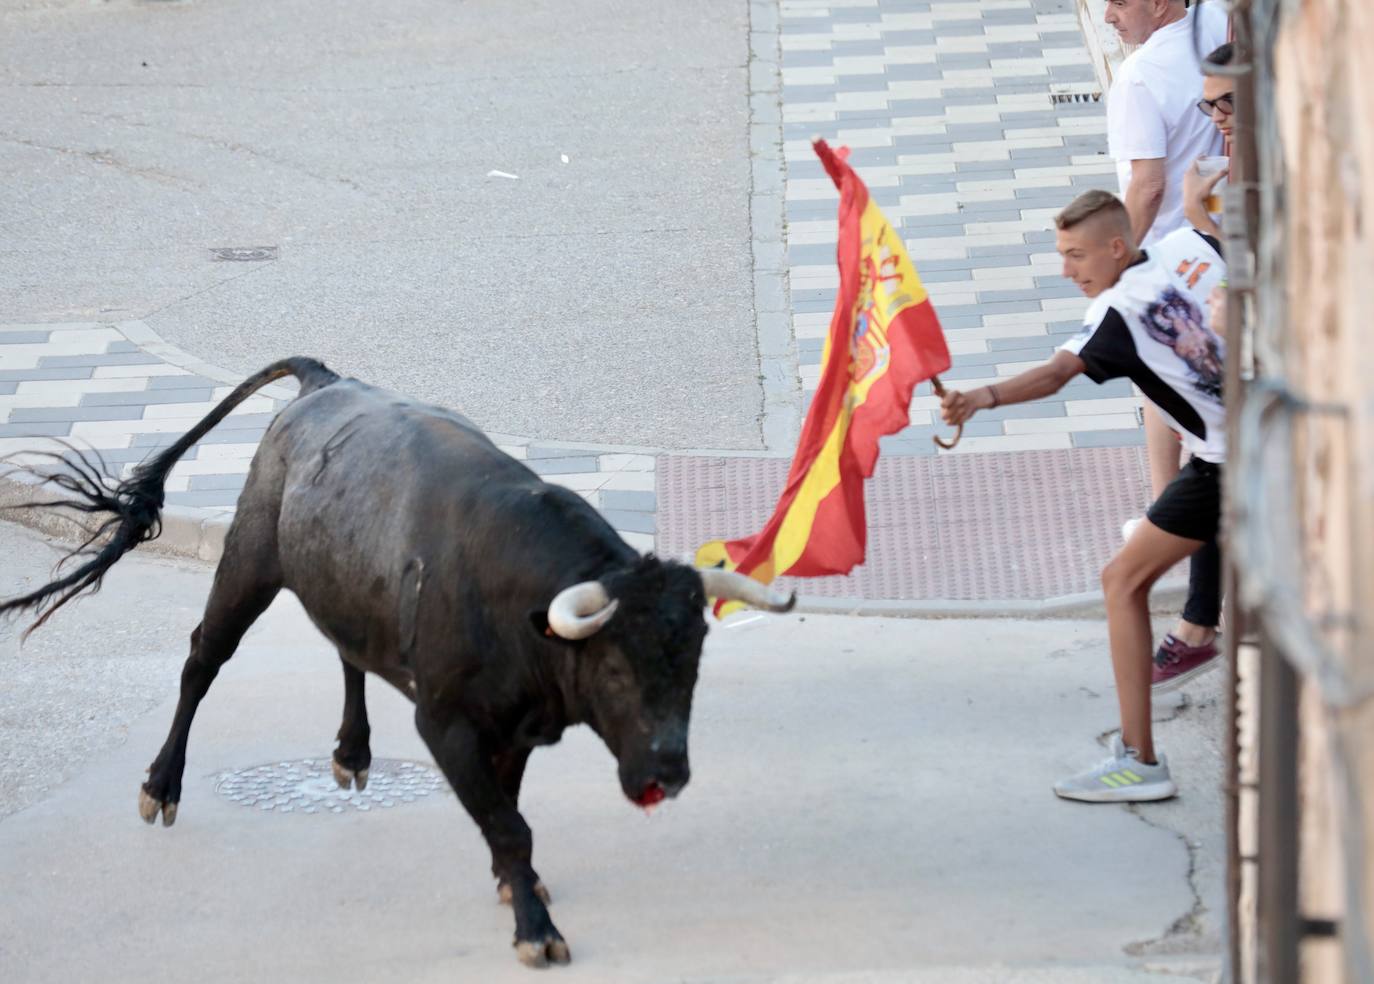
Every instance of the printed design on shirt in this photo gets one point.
(1176, 321)
(1192, 271)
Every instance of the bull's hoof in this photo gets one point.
(537, 953)
(505, 894)
(346, 777)
(149, 807)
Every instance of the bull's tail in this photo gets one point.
(135, 504)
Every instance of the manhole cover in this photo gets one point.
(308, 786)
(244, 254)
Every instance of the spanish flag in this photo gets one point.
(884, 339)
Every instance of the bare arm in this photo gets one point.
(1196, 189)
(1033, 384)
(1145, 194)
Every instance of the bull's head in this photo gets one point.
(641, 631)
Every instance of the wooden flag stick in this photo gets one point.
(947, 445)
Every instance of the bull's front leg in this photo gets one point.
(458, 750)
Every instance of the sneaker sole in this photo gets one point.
(1148, 793)
(1182, 678)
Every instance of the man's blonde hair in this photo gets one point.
(1091, 204)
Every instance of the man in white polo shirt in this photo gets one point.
(1154, 131)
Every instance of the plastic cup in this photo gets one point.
(1207, 166)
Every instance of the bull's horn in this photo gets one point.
(734, 586)
(580, 611)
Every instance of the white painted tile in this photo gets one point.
(628, 481)
(1066, 425)
(226, 452)
(809, 75)
(36, 401)
(859, 64)
(1111, 405)
(1006, 370)
(108, 442)
(79, 386)
(135, 372)
(211, 466)
(254, 404)
(620, 462)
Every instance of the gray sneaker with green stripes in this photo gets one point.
(1123, 778)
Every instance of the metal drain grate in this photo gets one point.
(308, 786)
(1062, 94)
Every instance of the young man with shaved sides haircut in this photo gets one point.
(1145, 323)
(1155, 134)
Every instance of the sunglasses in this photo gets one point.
(1226, 103)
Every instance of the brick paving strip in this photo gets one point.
(948, 109)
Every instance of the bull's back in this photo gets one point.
(372, 485)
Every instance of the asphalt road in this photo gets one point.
(603, 294)
(870, 802)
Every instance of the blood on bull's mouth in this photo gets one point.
(650, 796)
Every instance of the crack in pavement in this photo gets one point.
(107, 158)
(233, 147)
(1188, 926)
(256, 267)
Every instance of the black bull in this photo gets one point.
(504, 607)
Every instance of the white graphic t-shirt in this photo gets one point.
(1151, 327)
(1152, 109)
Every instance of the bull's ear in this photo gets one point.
(539, 621)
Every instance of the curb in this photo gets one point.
(189, 534)
(194, 534)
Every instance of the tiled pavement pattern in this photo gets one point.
(947, 108)
(91, 385)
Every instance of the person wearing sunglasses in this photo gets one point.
(1218, 104)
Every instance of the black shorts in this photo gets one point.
(1191, 505)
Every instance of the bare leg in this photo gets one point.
(457, 748)
(1126, 583)
(1163, 450)
(353, 756)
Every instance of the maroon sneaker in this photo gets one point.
(1177, 662)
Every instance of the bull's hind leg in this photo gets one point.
(354, 755)
(246, 581)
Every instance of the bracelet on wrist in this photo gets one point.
(996, 400)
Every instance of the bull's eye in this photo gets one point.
(617, 680)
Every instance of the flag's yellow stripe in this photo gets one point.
(820, 481)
